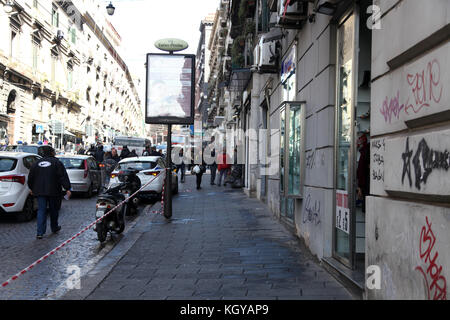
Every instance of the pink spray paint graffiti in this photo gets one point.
(426, 88)
(438, 284)
(392, 109)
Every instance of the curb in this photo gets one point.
(94, 277)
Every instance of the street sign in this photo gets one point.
(39, 128)
(171, 45)
(57, 127)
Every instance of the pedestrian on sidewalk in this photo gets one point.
(182, 167)
(213, 166)
(224, 167)
(46, 179)
(199, 169)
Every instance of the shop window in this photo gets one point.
(291, 151)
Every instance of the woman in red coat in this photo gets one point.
(223, 167)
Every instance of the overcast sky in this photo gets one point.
(142, 22)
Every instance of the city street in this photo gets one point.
(329, 120)
(19, 248)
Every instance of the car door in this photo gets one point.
(27, 163)
(94, 173)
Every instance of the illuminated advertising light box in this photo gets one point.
(170, 88)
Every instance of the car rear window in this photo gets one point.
(70, 163)
(137, 165)
(28, 149)
(7, 164)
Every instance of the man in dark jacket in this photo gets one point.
(154, 153)
(99, 154)
(125, 153)
(46, 179)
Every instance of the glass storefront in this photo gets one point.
(344, 133)
(291, 139)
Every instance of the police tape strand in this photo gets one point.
(17, 275)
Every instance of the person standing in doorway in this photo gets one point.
(46, 179)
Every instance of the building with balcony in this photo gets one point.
(59, 64)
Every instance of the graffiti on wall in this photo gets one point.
(425, 88)
(378, 148)
(315, 159)
(424, 161)
(312, 211)
(436, 284)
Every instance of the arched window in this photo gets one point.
(11, 102)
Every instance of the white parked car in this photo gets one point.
(15, 195)
(149, 168)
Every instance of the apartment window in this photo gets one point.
(69, 76)
(35, 48)
(73, 35)
(13, 43)
(55, 16)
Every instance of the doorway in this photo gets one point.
(352, 148)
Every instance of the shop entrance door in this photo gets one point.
(352, 150)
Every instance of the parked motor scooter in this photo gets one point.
(113, 196)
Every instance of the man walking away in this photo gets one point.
(110, 165)
(46, 179)
(99, 154)
(224, 166)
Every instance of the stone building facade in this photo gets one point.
(59, 64)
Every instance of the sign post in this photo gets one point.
(169, 98)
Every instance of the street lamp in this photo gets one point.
(110, 9)
(8, 6)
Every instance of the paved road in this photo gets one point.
(219, 245)
(19, 248)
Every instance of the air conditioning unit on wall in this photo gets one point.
(265, 54)
(291, 13)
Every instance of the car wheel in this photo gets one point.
(27, 213)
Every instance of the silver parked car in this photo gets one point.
(84, 173)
